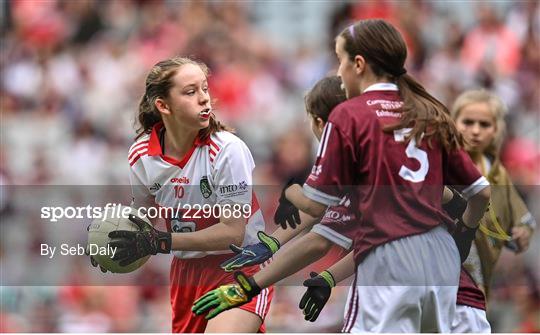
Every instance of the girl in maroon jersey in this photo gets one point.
(394, 146)
(391, 147)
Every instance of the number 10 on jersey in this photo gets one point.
(179, 191)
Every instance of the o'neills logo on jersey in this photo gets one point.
(206, 191)
(181, 180)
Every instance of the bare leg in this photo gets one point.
(235, 320)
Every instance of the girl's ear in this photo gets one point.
(359, 64)
(319, 122)
(162, 106)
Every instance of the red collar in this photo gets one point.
(154, 147)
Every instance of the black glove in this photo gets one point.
(464, 236)
(286, 211)
(455, 207)
(318, 292)
(133, 245)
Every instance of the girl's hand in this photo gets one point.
(522, 236)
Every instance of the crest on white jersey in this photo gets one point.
(206, 191)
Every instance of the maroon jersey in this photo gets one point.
(398, 185)
(468, 293)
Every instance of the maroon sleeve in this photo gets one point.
(333, 170)
(461, 173)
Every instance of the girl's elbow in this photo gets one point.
(485, 194)
(319, 244)
(316, 209)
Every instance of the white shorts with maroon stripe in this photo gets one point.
(407, 285)
(470, 320)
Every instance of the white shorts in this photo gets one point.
(470, 320)
(407, 285)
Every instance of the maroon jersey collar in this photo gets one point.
(382, 87)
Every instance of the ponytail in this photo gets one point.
(148, 116)
(426, 115)
(385, 51)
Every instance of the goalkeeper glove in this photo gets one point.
(227, 296)
(318, 292)
(133, 245)
(252, 254)
(286, 211)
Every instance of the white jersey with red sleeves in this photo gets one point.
(214, 172)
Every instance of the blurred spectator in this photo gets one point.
(527, 300)
(490, 49)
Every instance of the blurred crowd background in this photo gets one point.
(72, 73)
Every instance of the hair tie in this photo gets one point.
(401, 72)
(351, 31)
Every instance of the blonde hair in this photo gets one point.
(498, 110)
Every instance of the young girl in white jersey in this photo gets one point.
(184, 158)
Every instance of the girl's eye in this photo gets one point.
(468, 122)
(485, 124)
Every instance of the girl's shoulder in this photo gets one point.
(498, 175)
(224, 139)
(138, 149)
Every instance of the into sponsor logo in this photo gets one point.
(228, 189)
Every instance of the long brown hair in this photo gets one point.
(384, 49)
(324, 96)
(157, 86)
